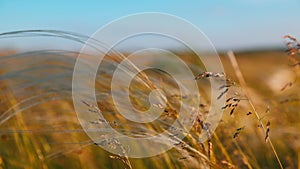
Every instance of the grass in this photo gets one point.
(39, 127)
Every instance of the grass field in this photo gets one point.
(39, 127)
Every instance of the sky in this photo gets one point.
(229, 24)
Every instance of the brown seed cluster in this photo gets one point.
(293, 49)
(231, 103)
(288, 100)
(267, 131)
(209, 74)
(289, 84)
(222, 93)
(293, 45)
(91, 108)
(238, 131)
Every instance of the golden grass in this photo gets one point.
(48, 134)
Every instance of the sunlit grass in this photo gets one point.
(39, 127)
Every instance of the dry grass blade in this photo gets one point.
(245, 89)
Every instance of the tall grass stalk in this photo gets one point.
(243, 84)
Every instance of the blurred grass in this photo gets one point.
(48, 135)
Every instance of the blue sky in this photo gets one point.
(230, 24)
